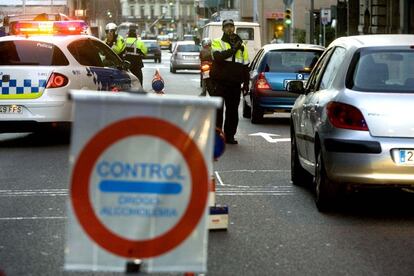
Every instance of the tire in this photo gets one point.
(159, 60)
(172, 69)
(256, 113)
(246, 110)
(155, 60)
(326, 191)
(298, 175)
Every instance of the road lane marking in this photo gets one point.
(228, 189)
(31, 218)
(39, 192)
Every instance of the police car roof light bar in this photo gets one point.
(72, 27)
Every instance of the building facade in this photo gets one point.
(155, 17)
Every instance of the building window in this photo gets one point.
(132, 10)
(152, 11)
(142, 11)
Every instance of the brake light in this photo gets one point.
(261, 82)
(346, 116)
(57, 80)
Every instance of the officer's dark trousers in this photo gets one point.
(230, 92)
(136, 66)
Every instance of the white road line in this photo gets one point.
(39, 192)
(253, 194)
(218, 178)
(253, 171)
(31, 218)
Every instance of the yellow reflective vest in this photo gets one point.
(240, 56)
(119, 45)
(133, 44)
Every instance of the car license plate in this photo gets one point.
(407, 156)
(11, 109)
(287, 81)
(190, 57)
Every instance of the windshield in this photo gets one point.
(382, 70)
(31, 53)
(291, 61)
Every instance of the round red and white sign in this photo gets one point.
(139, 187)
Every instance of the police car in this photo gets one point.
(43, 61)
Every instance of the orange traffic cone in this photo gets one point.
(158, 82)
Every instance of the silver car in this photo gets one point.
(185, 55)
(352, 125)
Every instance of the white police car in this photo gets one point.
(40, 65)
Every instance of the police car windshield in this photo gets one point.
(19, 53)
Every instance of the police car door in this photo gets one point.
(104, 69)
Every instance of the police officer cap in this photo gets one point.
(228, 22)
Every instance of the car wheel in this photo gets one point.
(298, 175)
(246, 110)
(326, 191)
(172, 69)
(256, 113)
(159, 60)
(155, 60)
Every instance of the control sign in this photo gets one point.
(139, 185)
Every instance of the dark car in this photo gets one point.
(154, 50)
(271, 69)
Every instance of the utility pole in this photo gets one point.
(255, 13)
(311, 23)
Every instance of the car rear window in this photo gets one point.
(290, 61)
(24, 52)
(151, 44)
(245, 33)
(382, 70)
(188, 48)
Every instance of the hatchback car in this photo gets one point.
(352, 124)
(271, 69)
(186, 55)
(154, 50)
(37, 71)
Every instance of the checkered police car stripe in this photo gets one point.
(16, 87)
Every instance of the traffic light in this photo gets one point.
(288, 16)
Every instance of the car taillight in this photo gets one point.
(261, 82)
(346, 116)
(57, 80)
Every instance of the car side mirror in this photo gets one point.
(295, 86)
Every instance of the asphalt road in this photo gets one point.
(274, 227)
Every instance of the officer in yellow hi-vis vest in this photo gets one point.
(229, 71)
(113, 40)
(134, 51)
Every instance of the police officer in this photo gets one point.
(113, 40)
(134, 51)
(229, 71)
